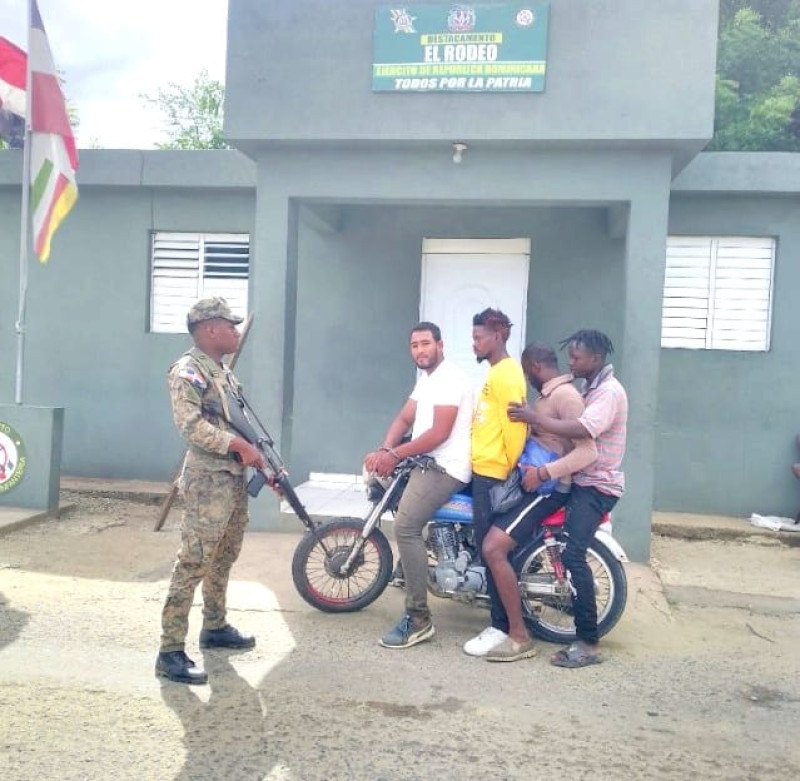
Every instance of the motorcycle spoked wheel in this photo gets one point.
(315, 572)
(552, 618)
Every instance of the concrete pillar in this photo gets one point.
(265, 373)
(638, 363)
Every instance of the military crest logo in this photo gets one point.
(402, 20)
(461, 19)
(524, 18)
(12, 458)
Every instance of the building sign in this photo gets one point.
(12, 458)
(480, 47)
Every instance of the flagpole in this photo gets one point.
(24, 231)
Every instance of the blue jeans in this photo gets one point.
(585, 507)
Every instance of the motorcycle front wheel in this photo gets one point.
(320, 555)
(551, 618)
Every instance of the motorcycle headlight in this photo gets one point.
(375, 489)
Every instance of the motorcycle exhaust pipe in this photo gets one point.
(544, 587)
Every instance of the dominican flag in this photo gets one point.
(12, 78)
(54, 157)
(13, 63)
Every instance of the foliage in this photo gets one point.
(193, 113)
(757, 88)
(757, 95)
(774, 12)
(758, 65)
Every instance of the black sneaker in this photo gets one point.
(404, 634)
(177, 666)
(226, 637)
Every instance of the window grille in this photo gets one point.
(190, 266)
(718, 293)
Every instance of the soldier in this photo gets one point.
(214, 492)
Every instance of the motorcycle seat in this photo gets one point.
(457, 508)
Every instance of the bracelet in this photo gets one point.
(539, 474)
(391, 451)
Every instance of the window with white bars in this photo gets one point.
(190, 266)
(718, 293)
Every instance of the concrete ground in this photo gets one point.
(700, 679)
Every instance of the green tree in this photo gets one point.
(774, 12)
(758, 62)
(193, 113)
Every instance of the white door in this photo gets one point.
(461, 278)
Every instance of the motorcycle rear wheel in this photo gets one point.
(315, 571)
(552, 618)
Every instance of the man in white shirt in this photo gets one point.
(439, 414)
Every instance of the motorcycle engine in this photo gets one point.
(454, 573)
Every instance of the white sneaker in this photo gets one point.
(484, 642)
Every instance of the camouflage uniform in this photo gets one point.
(215, 498)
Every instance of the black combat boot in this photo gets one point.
(177, 666)
(226, 637)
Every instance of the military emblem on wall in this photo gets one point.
(12, 458)
(460, 47)
(403, 21)
(524, 18)
(461, 19)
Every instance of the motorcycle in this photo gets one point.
(345, 564)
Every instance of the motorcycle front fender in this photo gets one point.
(610, 543)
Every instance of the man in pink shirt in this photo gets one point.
(596, 488)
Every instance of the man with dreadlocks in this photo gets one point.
(596, 488)
(497, 444)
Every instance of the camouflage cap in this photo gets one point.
(211, 309)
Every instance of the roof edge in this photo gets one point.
(741, 172)
(195, 168)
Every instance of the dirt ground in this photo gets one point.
(700, 679)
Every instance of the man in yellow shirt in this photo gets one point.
(497, 444)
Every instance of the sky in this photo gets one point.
(110, 52)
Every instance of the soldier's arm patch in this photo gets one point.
(193, 377)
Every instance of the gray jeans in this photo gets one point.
(425, 493)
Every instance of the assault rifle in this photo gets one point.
(173, 491)
(244, 421)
